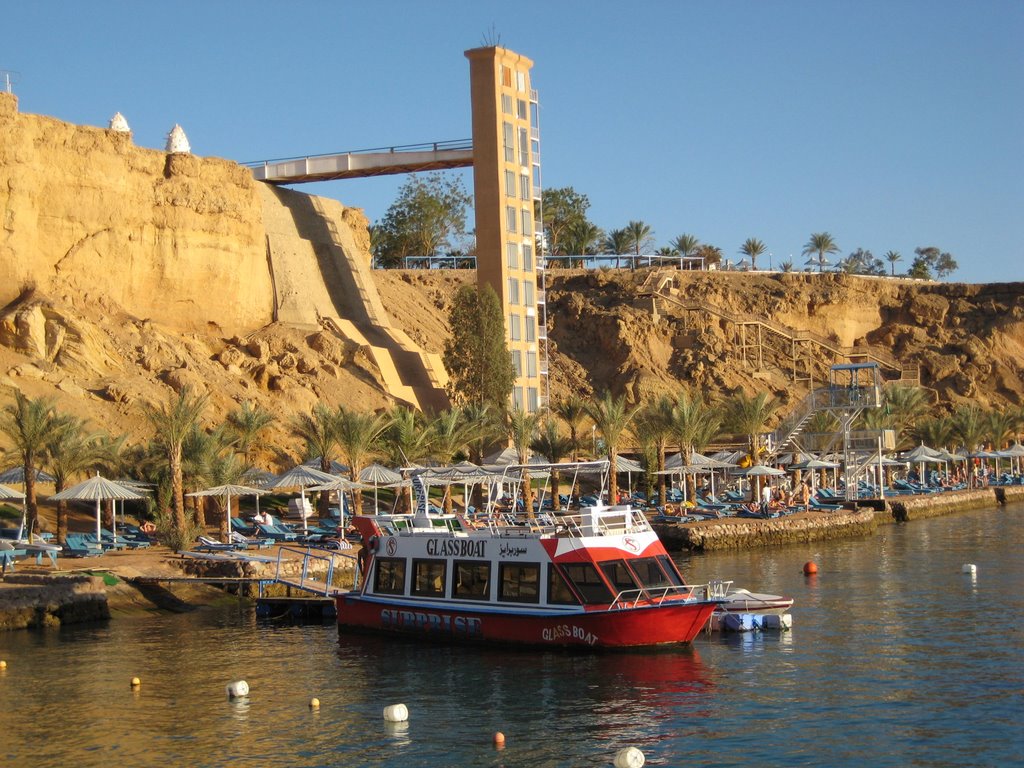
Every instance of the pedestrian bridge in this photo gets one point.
(382, 161)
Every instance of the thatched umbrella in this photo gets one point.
(97, 489)
(227, 491)
(302, 477)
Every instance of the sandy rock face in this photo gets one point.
(177, 238)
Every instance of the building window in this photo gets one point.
(524, 147)
(514, 326)
(472, 579)
(517, 398)
(428, 578)
(508, 135)
(531, 329)
(524, 186)
(510, 219)
(519, 582)
(506, 103)
(506, 76)
(536, 175)
(512, 254)
(528, 293)
(527, 256)
(527, 222)
(532, 401)
(513, 291)
(520, 81)
(510, 183)
(531, 365)
(517, 362)
(521, 109)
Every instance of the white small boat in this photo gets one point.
(738, 600)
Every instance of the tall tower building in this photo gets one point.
(507, 192)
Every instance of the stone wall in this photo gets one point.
(741, 533)
(31, 600)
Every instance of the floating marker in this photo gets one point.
(136, 682)
(630, 757)
(810, 567)
(237, 689)
(314, 703)
(970, 568)
(499, 740)
(396, 713)
(3, 664)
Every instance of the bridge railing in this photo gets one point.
(434, 146)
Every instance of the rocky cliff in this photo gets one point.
(129, 273)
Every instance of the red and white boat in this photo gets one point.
(597, 579)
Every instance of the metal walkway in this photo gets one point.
(382, 161)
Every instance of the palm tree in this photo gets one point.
(554, 446)
(750, 416)
(937, 432)
(521, 429)
(969, 424)
(71, 452)
(820, 245)
(654, 425)
(247, 424)
(612, 416)
(318, 429)
(694, 424)
(892, 257)
(640, 237)
(1000, 427)
(752, 247)
(572, 410)
(358, 436)
(617, 242)
(449, 434)
(405, 439)
(581, 238)
(685, 245)
(172, 422)
(905, 404)
(30, 425)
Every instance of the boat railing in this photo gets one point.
(717, 589)
(630, 598)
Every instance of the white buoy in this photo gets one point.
(237, 689)
(396, 713)
(970, 568)
(314, 703)
(630, 757)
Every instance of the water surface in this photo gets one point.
(896, 658)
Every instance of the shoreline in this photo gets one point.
(127, 583)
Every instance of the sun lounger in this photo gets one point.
(76, 545)
(275, 532)
(250, 541)
(207, 544)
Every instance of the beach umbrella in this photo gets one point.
(97, 489)
(17, 475)
(337, 468)
(227, 491)
(341, 485)
(302, 477)
(378, 475)
(10, 493)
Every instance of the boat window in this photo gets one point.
(588, 582)
(619, 575)
(649, 572)
(428, 578)
(390, 576)
(520, 582)
(670, 569)
(559, 591)
(472, 579)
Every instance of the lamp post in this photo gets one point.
(593, 438)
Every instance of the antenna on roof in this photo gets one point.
(492, 38)
(6, 79)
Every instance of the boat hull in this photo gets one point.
(667, 622)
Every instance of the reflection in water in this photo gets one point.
(895, 657)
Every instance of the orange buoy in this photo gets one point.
(499, 739)
(810, 567)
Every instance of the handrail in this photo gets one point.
(305, 582)
(630, 598)
(792, 334)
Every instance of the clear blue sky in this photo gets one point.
(891, 125)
